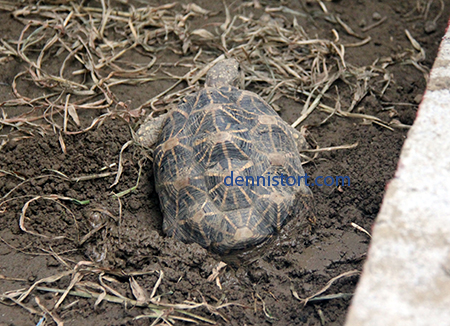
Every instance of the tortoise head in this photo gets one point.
(223, 73)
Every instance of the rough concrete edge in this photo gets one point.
(406, 279)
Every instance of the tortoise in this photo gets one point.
(205, 146)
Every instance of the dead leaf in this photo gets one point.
(203, 33)
(73, 113)
(138, 291)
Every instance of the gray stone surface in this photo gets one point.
(406, 279)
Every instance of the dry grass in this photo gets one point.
(105, 285)
(316, 296)
(279, 59)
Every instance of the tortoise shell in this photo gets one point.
(223, 132)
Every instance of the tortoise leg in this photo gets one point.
(301, 141)
(148, 133)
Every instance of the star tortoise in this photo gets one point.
(218, 132)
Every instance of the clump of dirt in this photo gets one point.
(60, 205)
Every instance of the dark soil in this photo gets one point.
(131, 238)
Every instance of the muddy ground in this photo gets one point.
(128, 235)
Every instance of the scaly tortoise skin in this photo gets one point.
(217, 130)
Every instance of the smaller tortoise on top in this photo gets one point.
(219, 132)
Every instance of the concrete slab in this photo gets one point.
(406, 279)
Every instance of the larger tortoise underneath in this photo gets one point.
(223, 131)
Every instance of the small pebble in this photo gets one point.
(430, 27)
(376, 16)
(362, 23)
(418, 98)
(52, 263)
(95, 219)
(135, 205)
(265, 18)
